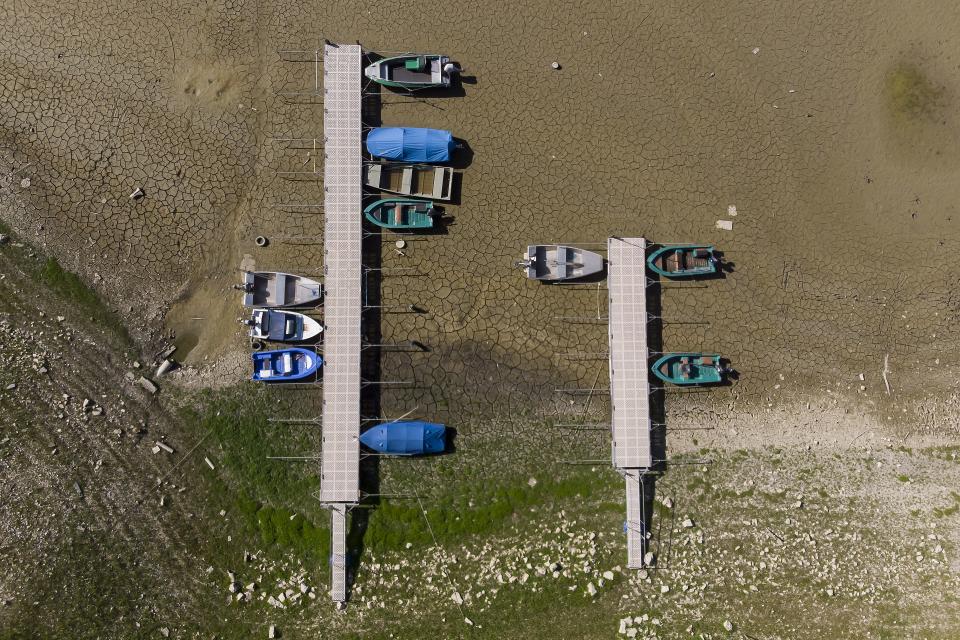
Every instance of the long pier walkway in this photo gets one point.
(629, 380)
(343, 233)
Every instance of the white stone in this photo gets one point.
(687, 523)
(272, 632)
(591, 589)
(728, 625)
(608, 575)
(664, 588)
(457, 597)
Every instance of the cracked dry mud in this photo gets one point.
(660, 118)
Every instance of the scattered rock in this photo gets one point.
(147, 384)
(468, 621)
(273, 632)
(664, 588)
(649, 559)
(668, 502)
(457, 597)
(728, 625)
(591, 589)
(25, 183)
(608, 575)
(687, 523)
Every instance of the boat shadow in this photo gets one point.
(463, 155)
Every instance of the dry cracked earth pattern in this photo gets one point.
(826, 134)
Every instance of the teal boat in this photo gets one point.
(412, 71)
(683, 261)
(400, 214)
(689, 368)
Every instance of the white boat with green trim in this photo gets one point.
(412, 71)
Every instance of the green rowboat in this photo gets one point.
(412, 71)
(400, 214)
(683, 261)
(689, 368)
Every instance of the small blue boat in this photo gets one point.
(405, 144)
(409, 438)
(285, 365)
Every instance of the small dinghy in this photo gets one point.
(416, 180)
(412, 71)
(689, 368)
(400, 214)
(407, 144)
(275, 289)
(684, 261)
(554, 262)
(285, 365)
(409, 438)
(282, 326)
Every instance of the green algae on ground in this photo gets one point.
(911, 94)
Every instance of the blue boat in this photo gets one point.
(405, 144)
(285, 365)
(409, 438)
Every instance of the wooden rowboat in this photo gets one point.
(414, 180)
(689, 368)
(400, 214)
(683, 261)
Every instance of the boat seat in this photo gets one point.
(707, 361)
(291, 326)
(406, 181)
(397, 217)
(286, 363)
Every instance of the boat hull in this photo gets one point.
(285, 365)
(555, 263)
(275, 289)
(283, 326)
(396, 72)
(406, 438)
(412, 180)
(689, 368)
(683, 261)
(399, 215)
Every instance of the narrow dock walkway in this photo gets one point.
(629, 379)
(340, 459)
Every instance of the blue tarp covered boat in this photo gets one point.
(285, 365)
(408, 438)
(411, 145)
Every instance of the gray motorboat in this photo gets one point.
(276, 289)
(556, 262)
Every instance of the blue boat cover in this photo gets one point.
(410, 438)
(411, 145)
